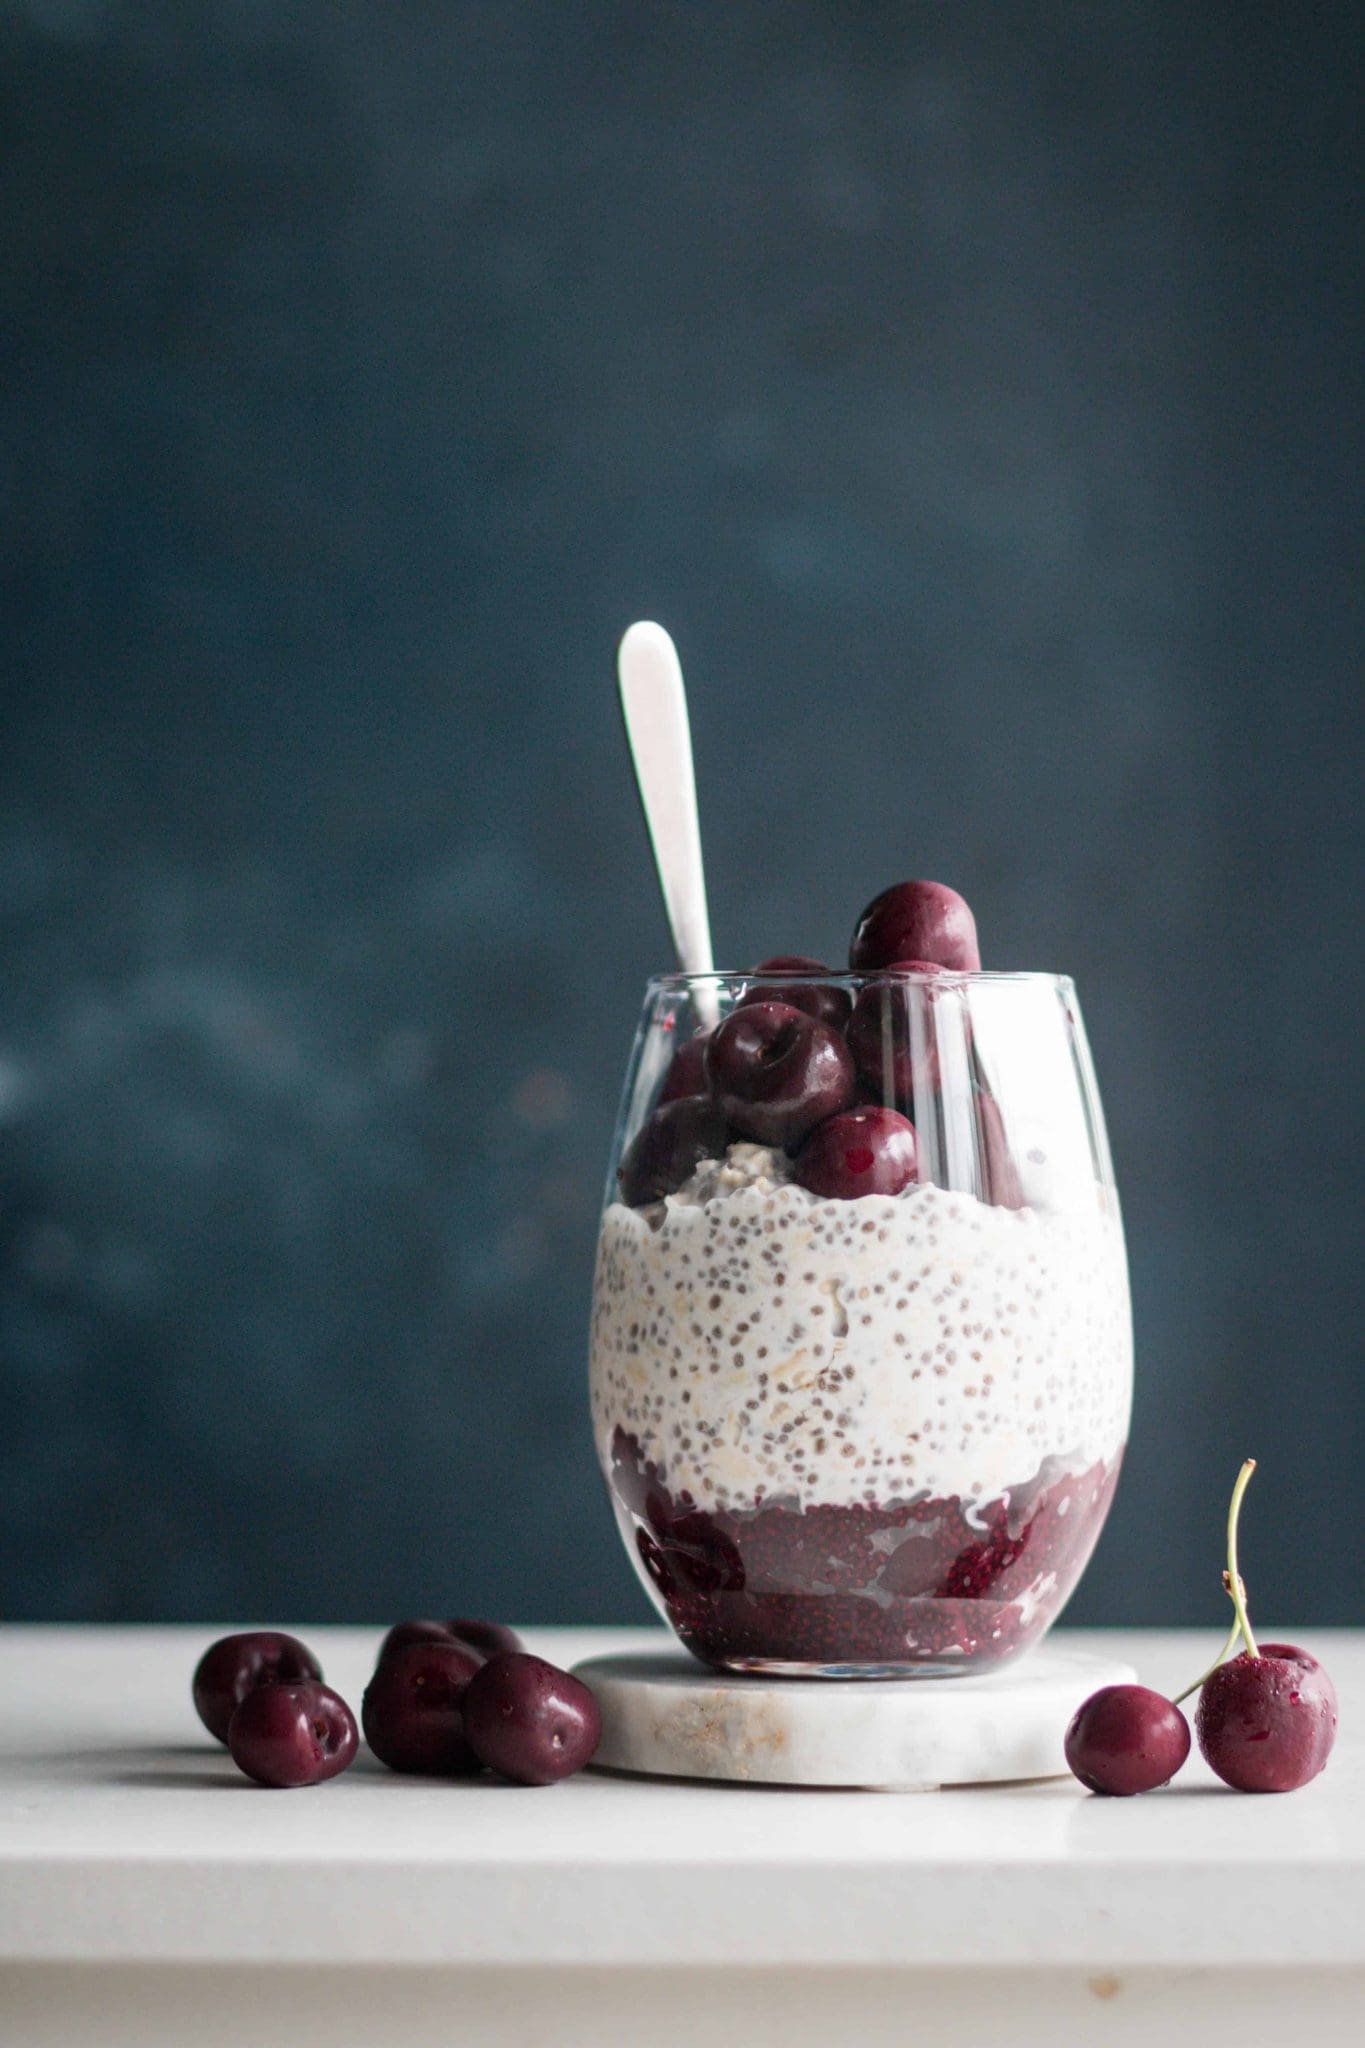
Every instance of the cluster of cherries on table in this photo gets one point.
(448, 1699)
(1266, 1720)
(809, 1068)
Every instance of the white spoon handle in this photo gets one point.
(655, 706)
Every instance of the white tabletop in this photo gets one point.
(127, 1836)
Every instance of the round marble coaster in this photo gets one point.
(666, 1716)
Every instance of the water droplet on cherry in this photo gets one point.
(1267, 1723)
(529, 1721)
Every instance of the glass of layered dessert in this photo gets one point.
(861, 1357)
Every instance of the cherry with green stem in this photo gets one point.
(1126, 1739)
(1241, 1621)
(1266, 1719)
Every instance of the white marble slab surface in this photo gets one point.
(664, 1716)
(127, 1837)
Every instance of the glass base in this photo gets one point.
(926, 1588)
(781, 1667)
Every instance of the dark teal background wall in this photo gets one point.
(975, 390)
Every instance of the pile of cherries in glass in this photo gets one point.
(448, 1699)
(1266, 1720)
(811, 1069)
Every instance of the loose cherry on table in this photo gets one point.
(1266, 1719)
(413, 1709)
(915, 921)
(827, 1004)
(493, 1638)
(867, 1151)
(1126, 1739)
(286, 1735)
(529, 1721)
(236, 1665)
(669, 1145)
(777, 1072)
(489, 1638)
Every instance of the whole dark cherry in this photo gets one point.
(413, 1709)
(487, 1637)
(827, 1004)
(493, 1638)
(777, 1072)
(404, 1632)
(529, 1721)
(668, 1146)
(1267, 1717)
(1267, 1723)
(235, 1665)
(867, 1151)
(686, 1071)
(915, 921)
(879, 1036)
(284, 1735)
(1126, 1739)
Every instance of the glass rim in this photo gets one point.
(852, 978)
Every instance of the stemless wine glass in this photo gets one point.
(851, 1432)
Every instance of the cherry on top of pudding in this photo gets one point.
(916, 921)
(861, 1353)
(797, 1050)
(777, 1071)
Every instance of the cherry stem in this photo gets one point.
(1235, 1590)
(1234, 1577)
(1221, 1658)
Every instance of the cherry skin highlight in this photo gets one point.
(413, 1709)
(235, 1665)
(868, 1151)
(529, 1721)
(668, 1146)
(827, 1005)
(288, 1735)
(1267, 1723)
(1126, 1739)
(777, 1072)
(915, 921)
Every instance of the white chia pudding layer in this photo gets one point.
(763, 1344)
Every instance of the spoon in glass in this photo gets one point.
(655, 706)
